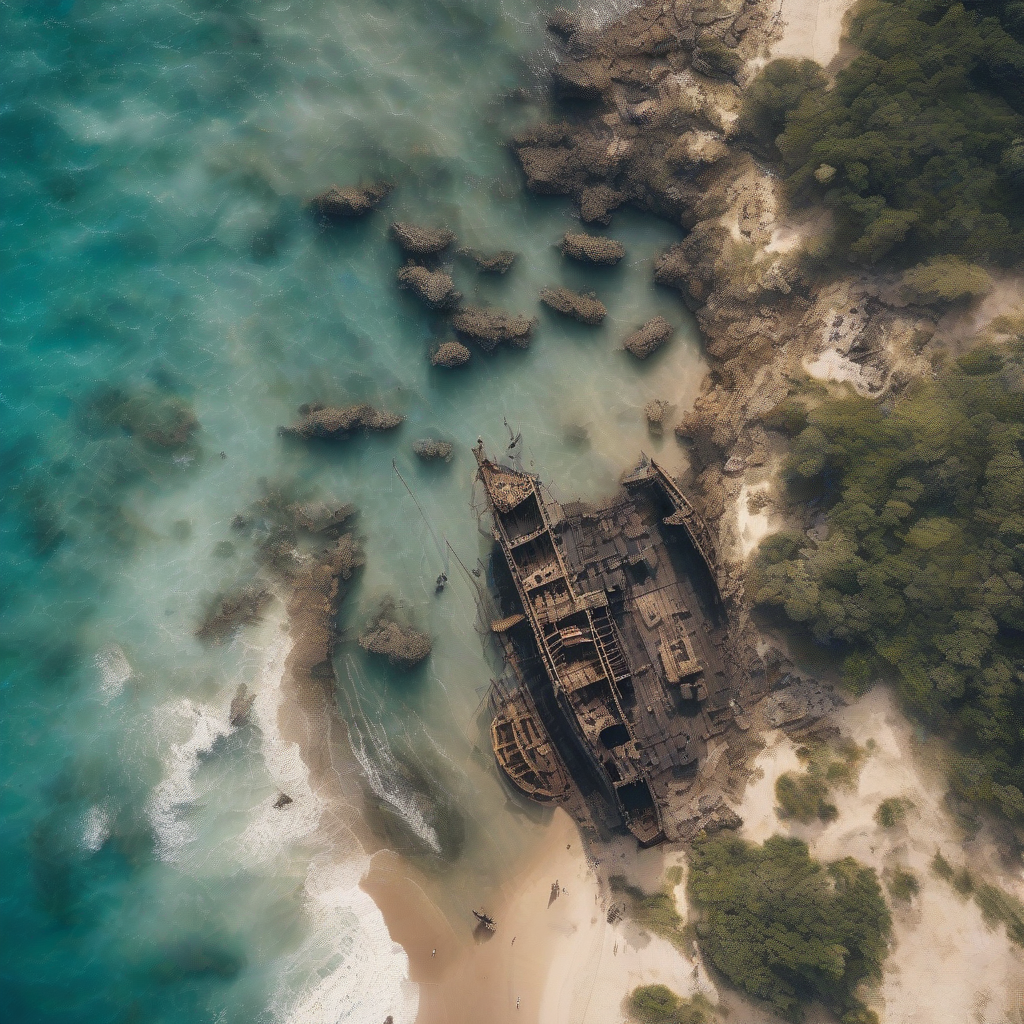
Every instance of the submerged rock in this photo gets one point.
(654, 413)
(401, 645)
(563, 24)
(584, 308)
(496, 263)
(326, 422)
(649, 338)
(432, 287)
(450, 354)
(490, 327)
(319, 516)
(241, 705)
(428, 449)
(157, 420)
(592, 248)
(337, 203)
(420, 241)
(228, 613)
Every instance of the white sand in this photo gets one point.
(812, 29)
(946, 965)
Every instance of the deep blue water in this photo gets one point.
(154, 158)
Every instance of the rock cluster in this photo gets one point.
(400, 644)
(337, 203)
(584, 308)
(421, 241)
(429, 449)
(450, 354)
(592, 249)
(241, 705)
(649, 338)
(434, 288)
(329, 423)
(654, 413)
(490, 327)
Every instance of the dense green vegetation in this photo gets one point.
(918, 148)
(657, 1004)
(921, 578)
(787, 929)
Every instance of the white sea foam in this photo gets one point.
(176, 790)
(114, 668)
(96, 830)
(360, 974)
(272, 831)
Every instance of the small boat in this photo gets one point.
(484, 920)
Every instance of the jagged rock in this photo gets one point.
(227, 613)
(597, 203)
(432, 287)
(496, 263)
(283, 800)
(428, 449)
(592, 249)
(649, 338)
(341, 203)
(563, 24)
(241, 705)
(401, 645)
(319, 421)
(694, 149)
(490, 327)
(580, 80)
(584, 308)
(450, 354)
(420, 241)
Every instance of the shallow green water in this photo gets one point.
(154, 163)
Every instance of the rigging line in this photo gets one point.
(437, 543)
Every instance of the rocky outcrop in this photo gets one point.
(229, 612)
(430, 449)
(282, 801)
(421, 241)
(334, 203)
(563, 24)
(450, 354)
(400, 644)
(490, 327)
(334, 424)
(649, 338)
(592, 249)
(434, 288)
(584, 308)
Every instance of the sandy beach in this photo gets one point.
(550, 961)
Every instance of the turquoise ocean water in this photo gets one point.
(154, 157)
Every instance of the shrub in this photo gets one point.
(945, 279)
(902, 885)
(783, 927)
(890, 812)
(655, 911)
(657, 1004)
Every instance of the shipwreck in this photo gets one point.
(615, 644)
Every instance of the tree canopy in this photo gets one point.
(785, 928)
(921, 576)
(918, 148)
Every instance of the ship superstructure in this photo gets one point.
(616, 669)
